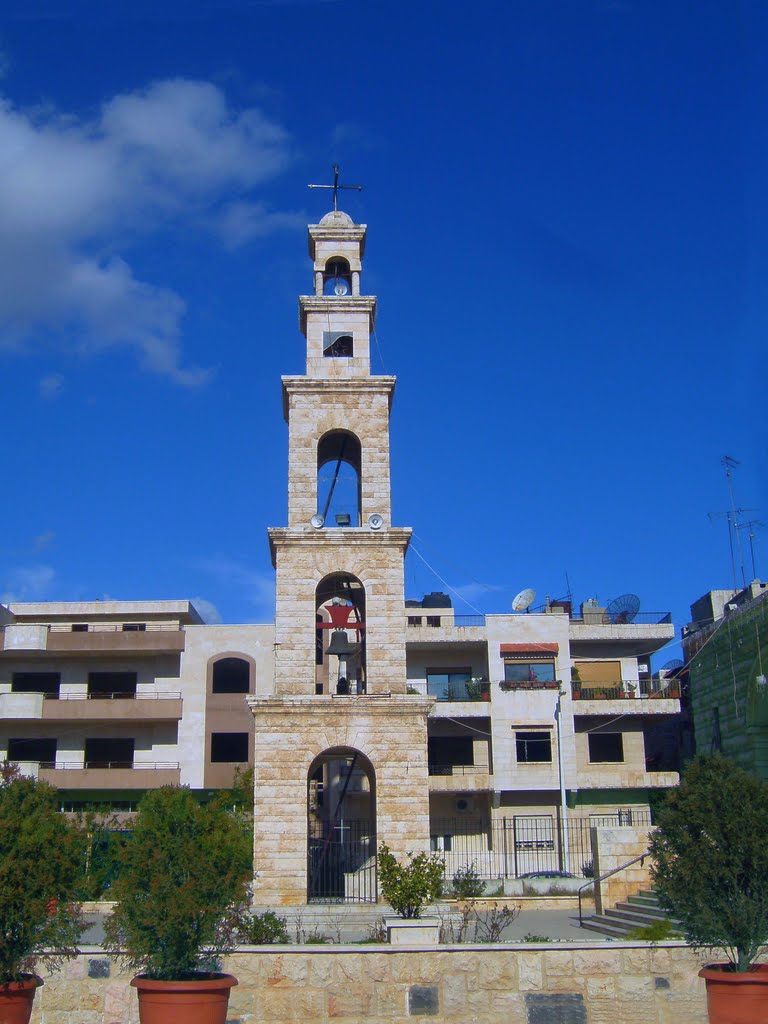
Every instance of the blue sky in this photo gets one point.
(565, 204)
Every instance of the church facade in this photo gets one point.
(366, 716)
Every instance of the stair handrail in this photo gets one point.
(608, 874)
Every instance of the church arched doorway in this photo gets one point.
(341, 828)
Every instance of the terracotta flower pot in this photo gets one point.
(16, 1000)
(736, 998)
(202, 1000)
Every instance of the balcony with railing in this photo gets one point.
(627, 696)
(459, 778)
(94, 637)
(156, 706)
(430, 626)
(110, 774)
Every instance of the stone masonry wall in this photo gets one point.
(625, 983)
(289, 734)
(612, 847)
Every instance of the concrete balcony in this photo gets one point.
(98, 639)
(646, 632)
(112, 775)
(459, 778)
(626, 697)
(427, 628)
(144, 707)
(613, 776)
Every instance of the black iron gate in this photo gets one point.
(341, 861)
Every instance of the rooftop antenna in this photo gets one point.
(729, 463)
(751, 527)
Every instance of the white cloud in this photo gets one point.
(72, 190)
(259, 587)
(207, 609)
(27, 583)
(51, 385)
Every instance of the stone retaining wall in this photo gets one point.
(623, 983)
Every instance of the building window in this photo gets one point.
(231, 675)
(47, 683)
(414, 620)
(533, 747)
(529, 671)
(605, 747)
(433, 620)
(109, 685)
(109, 752)
(448, 684)
(79, 627)
(441, 844)
(229, 747)
(337, 344)
(33, 749)
(134, 627)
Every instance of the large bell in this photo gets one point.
(340, 645)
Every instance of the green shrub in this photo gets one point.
(656, 932)
(409, 888)
(467, 883)
(264, 929)
(710, 858)
(530, 937)
(181, 890)
(41, 867)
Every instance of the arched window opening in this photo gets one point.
(341, 828)
(340, 623)
(337, 344)
(338, 478)
(231, 675)
(337, 279)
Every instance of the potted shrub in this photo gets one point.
(41, 868)
(710, 871)
(409, 888)
(181, 899)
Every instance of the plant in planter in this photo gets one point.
(710, 872)
(182, 898)
(408, 888)
(41, 868)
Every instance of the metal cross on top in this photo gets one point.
(336, 186)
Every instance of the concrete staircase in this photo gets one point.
(637, 912)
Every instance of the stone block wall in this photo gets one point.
(625, 983)
(613, 847)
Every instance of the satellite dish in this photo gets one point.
(317, 521)
(524, 600)
(623, 609)
(673, 665)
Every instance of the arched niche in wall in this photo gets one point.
(341, 827)
(339, 468)
(340, 619)
(231, 673)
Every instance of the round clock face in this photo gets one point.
(340, 286)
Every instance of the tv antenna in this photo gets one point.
(729, 464)
(751, 525)
(623, 609)
(524, 600)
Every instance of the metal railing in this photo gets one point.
(469, 620)
(623, 619)
(593, 882)
(111, 627)
(110, 765)
(522, 844)
(458, 769)
(117, 695)
(625, 688)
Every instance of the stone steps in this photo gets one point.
(640, 911)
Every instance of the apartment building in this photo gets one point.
(365, 716)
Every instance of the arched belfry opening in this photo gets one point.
(340, 635)
(337, 277)
(341, 828)
(339, 461)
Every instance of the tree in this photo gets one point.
(408, 888)
(41, 867)
(710, 858)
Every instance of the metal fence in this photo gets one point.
(341, 859)
(523, 844)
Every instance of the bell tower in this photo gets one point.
(340, 747)
(339, 533)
